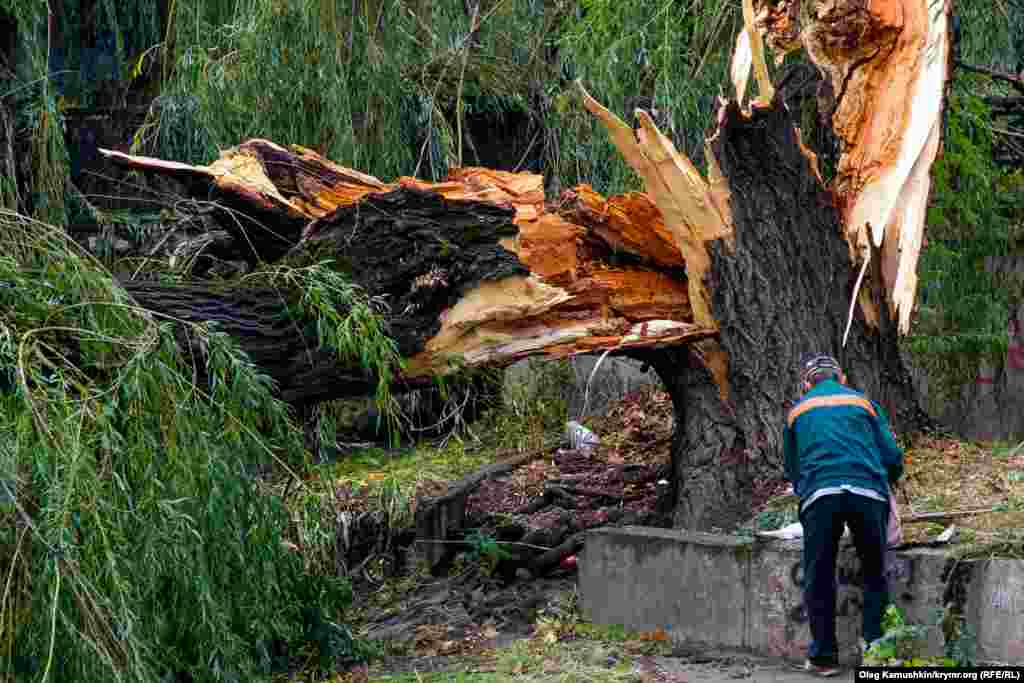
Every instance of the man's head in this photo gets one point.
(818, 367)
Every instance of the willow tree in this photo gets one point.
(720, 280)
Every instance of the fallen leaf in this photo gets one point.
(634, 646)
(657, 635)
(550, 637)
(551, 666)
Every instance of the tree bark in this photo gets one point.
(781, 291)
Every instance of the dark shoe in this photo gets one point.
(822, 670)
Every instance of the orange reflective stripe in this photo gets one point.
(829, 402)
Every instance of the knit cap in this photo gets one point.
(813, 363)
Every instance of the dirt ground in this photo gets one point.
(472, 628)
(713, 668)
(467, 629)
(476, 625)
(616, 480)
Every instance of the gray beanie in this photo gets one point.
(813, 363)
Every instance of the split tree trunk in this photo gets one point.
(721, 283)
(783, 290)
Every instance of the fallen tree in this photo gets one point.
(470, 272)
(801, 237)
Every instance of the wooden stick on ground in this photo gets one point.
(940, 516)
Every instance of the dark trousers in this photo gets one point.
(823, 522)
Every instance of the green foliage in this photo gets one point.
(90, 61)
(295, 72)
(144, 544)
(485, 550)
(676, 57)
(963, 646)
(964, 302)
(902, 644)
(388, 88)
(345, 321)
(38, 115)
(991, 32)
(771, 520)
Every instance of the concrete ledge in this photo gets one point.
(731, 593)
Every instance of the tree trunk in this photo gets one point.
(720, 282)
(782, 291)
(780, 272)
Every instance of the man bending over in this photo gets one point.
(841, 457)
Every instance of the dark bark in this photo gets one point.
(258, 320)
(783, 291)
(446, 248)
(417, 250)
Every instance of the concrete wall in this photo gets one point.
(728, 593)
(995, 606)
(989, 408)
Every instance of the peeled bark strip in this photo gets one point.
(887, 63)
(694, 212)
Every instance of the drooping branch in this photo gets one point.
(1016, 81)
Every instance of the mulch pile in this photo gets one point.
(614, 482)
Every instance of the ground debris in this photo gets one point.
(614, 482)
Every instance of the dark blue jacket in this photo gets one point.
(834, 435)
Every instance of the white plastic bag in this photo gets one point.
(579, 437)
(895, 530)
(789, 532)
(792, 532)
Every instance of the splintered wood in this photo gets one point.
(888, 62)
(581, 295)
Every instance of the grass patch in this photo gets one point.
(948, 474)
(529, 418)
(568, 658)
(446, 677)
(944, 475)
